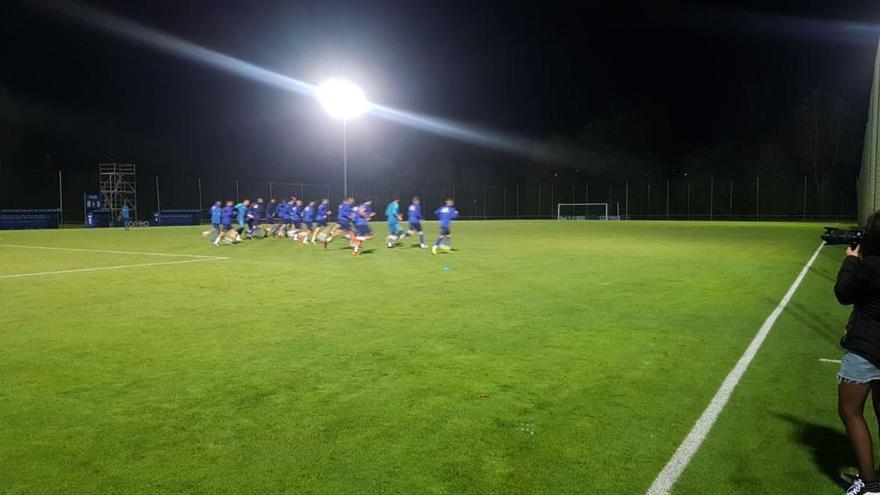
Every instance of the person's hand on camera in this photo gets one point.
(853, 251)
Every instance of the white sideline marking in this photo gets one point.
(685, 452)
(83, 250)
(105, 268)
(823, 360)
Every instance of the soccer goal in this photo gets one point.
(582, 211)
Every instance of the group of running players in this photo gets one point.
(309, 222)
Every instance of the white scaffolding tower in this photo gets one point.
(118, 187)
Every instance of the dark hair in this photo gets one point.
(871, 237)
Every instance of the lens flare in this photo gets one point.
(339, 99)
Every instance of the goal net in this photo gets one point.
(582, 211)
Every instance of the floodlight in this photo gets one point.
(342, 99)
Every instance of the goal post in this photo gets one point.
(582, 211)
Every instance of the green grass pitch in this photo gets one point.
(539, 357)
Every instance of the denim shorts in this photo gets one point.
(855, 368)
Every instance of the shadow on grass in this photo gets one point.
(829, 447)
(823, 274)
(829, 328)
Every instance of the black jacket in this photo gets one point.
(858, 283)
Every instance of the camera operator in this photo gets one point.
(858, 283)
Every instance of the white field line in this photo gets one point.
(823, 360)
(106, 268)
(82, 250)
(675, 467)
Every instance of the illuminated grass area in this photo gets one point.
(539, 357)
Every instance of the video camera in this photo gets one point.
(838, 237)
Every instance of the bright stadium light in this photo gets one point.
(342, 99)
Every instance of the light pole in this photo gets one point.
(343, 100)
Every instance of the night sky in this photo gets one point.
(687, 75)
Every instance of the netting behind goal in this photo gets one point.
(582, 211)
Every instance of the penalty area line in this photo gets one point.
(107, 268)
(670, 474)
(106, 251)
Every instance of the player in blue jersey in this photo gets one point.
(322, 216)
(254, 217)
(283, 212)
(392, 216)
(343, 221)
(270, 213)
(241, 210)
(446, 214)
(309, 213)
(126, 216)
(227, 234)
(363, 233)
(296, 214)
(215, 221)
(271, 216)
(296, 218)
(414, 218)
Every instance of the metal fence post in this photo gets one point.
(688, 200)
(158, 204)
(539, 202)
(711, 195)
(587, 193)
(757, 198)
(648, 202)
(805, 198)
(237, 198)
(517, 201)
(667, 199)
(626, 200)
(200, 199)
(730, 207)
(504, 201)
(484, 201)
(60, 201)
